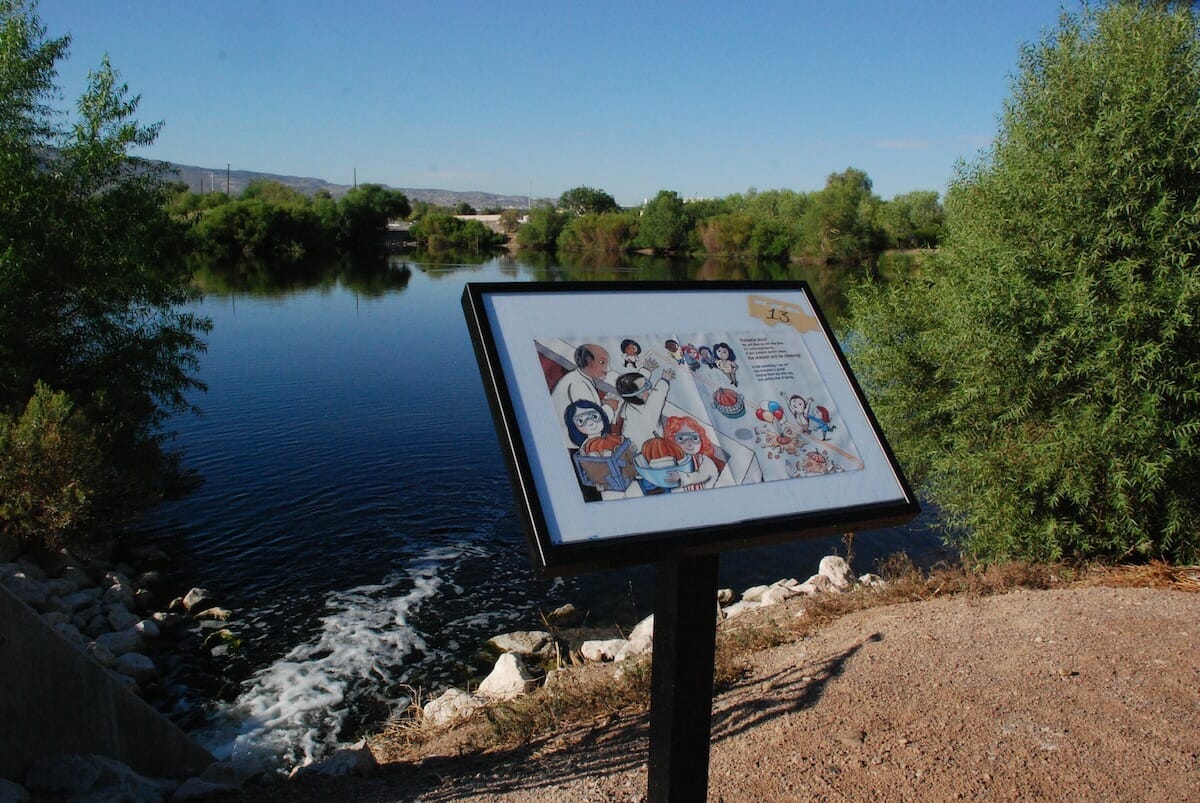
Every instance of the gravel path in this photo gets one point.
(1087, 693)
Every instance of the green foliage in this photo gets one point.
(839, 221)
(542, 230)
(664, 223)
(54, 472)
(610, 233)
(587, 200)
(441, 232)
(273, 222)
(913, 220)
(90, 274)
(1042, 378)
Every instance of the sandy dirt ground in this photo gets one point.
(1089, 694)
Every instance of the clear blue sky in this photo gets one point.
(703, 98)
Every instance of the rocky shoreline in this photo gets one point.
(119, 613)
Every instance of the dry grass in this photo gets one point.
(591, 694)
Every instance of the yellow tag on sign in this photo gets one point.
(771, 312)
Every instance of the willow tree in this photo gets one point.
(1042, 379)
(92, 334)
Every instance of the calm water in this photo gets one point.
(356, 514)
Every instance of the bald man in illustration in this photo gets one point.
(591, 366)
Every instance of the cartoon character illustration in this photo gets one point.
(585, 419)
(820, 418)
(813, 463)
(660, 458)
(630, 351)
(706, 357)
(604, 459)
(672, 347)
(689, 436)
(691, 357)
(642, 401)
(591, 366)
(726, 362)
(799, 407)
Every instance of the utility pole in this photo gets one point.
(355, 178)
(227, 179)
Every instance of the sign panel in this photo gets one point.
(643, 421)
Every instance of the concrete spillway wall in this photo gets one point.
(56, 700)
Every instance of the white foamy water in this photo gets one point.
(292, 711)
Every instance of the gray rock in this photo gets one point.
(60, 587)
(754, 593)
(32, 570)
(152, 580)
(602, 649)
(872, 580)
(816, 584)
(147, 628)
(536, 643)
(119, 594)
(640, 642)
(103, 655)
(121, 642)
(199, 789)
(71, 633)
(451, 705)
(738, 608)
(354, 760)
(77, 577)
(28, 589)
(80, 599)
(97, 626)
(214, 613)
(121, 618)
(53, 618)
(137, 666)
(144, 599)
(219, 638)
(167, 620)
(778, 593)
(837, 570)
(198, 599)
(564, 614)
(94, 778)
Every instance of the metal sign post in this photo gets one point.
(681, 682)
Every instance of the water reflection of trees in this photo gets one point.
(378, 275)
(370, 275)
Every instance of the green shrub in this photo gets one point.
(54, 484)
(1041, 377)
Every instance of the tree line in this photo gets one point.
(842, 222)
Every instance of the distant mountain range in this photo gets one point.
(206, 179)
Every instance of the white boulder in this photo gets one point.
(451, 705)
(640, 641)
(509, 678)
(837, 570)
(602, 649)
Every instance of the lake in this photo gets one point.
(356, 514)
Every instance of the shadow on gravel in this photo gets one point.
(785, 692)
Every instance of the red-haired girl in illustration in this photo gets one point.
(687, 433)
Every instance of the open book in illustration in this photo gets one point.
(646, 413)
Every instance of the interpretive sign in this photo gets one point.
(645, 421)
